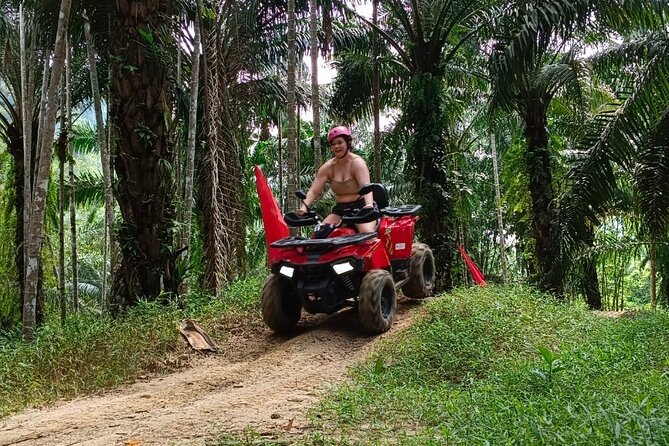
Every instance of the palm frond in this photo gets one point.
(608, 244)
(85, 139)
(631, 136)
(352, 91)
(530, 30)
(89, 189)
(651, 177)
(638, 49)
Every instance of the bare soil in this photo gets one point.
(258, 381)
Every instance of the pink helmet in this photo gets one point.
(340, 130)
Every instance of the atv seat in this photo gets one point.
(380, 195)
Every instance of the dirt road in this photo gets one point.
(258, 381)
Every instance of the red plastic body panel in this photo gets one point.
(396, 234)
(394, 242)
(371, 252)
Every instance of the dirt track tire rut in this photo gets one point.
(259, 381)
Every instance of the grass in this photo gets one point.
(497, 366)
(504, 365)
(91, 353)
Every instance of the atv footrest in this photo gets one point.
(400, 211)
(311, 243)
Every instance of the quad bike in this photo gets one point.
(343, 267)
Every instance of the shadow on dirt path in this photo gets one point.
(258, 381)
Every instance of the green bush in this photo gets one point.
(89, 353)
(509, 366)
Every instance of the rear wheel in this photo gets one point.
(281, 307)
(377, 301)
(421, 272)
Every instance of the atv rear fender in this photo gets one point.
(397, 235)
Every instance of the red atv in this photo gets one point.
(339, 266)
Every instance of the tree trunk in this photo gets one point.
(376, 91)
(591, 285)
(222, 209)
(539, 171)
(142, 157)
(590, 277)
(22, 146)
(498, 202)
(61, 153)
(653, 273)
(22, 164)
(105, 160)
(38, 205)
(315, 98)
(192, 134)
(427, 167)
(282, 195)
(40, 121)
(73, 206)
(293, 173)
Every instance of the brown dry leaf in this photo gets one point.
(133, 443)
(289, 426)
(196, 336)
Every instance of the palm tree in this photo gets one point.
(629, 140)
(546, 76)
(108, 241)
(315, 96)
(19, 119)
(424, 41)
(142, 157)
(376, 86)
(72, 184)
(192, 133)
(242, 47)
(291, 77)
(38, 204)
(530, 68)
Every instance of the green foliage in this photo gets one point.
(10, 311)
(91, 352)
(551, 365)
(469, 369)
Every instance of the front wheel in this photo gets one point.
(281, 307)
(377, 301)
(421, 272)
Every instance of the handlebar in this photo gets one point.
(296, 220)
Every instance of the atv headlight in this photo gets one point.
(344, 267)
(287, 271)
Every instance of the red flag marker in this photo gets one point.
(272, 218)
(477, 275)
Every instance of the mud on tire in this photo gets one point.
(281, 307)
(421, 272)
(377, 301)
